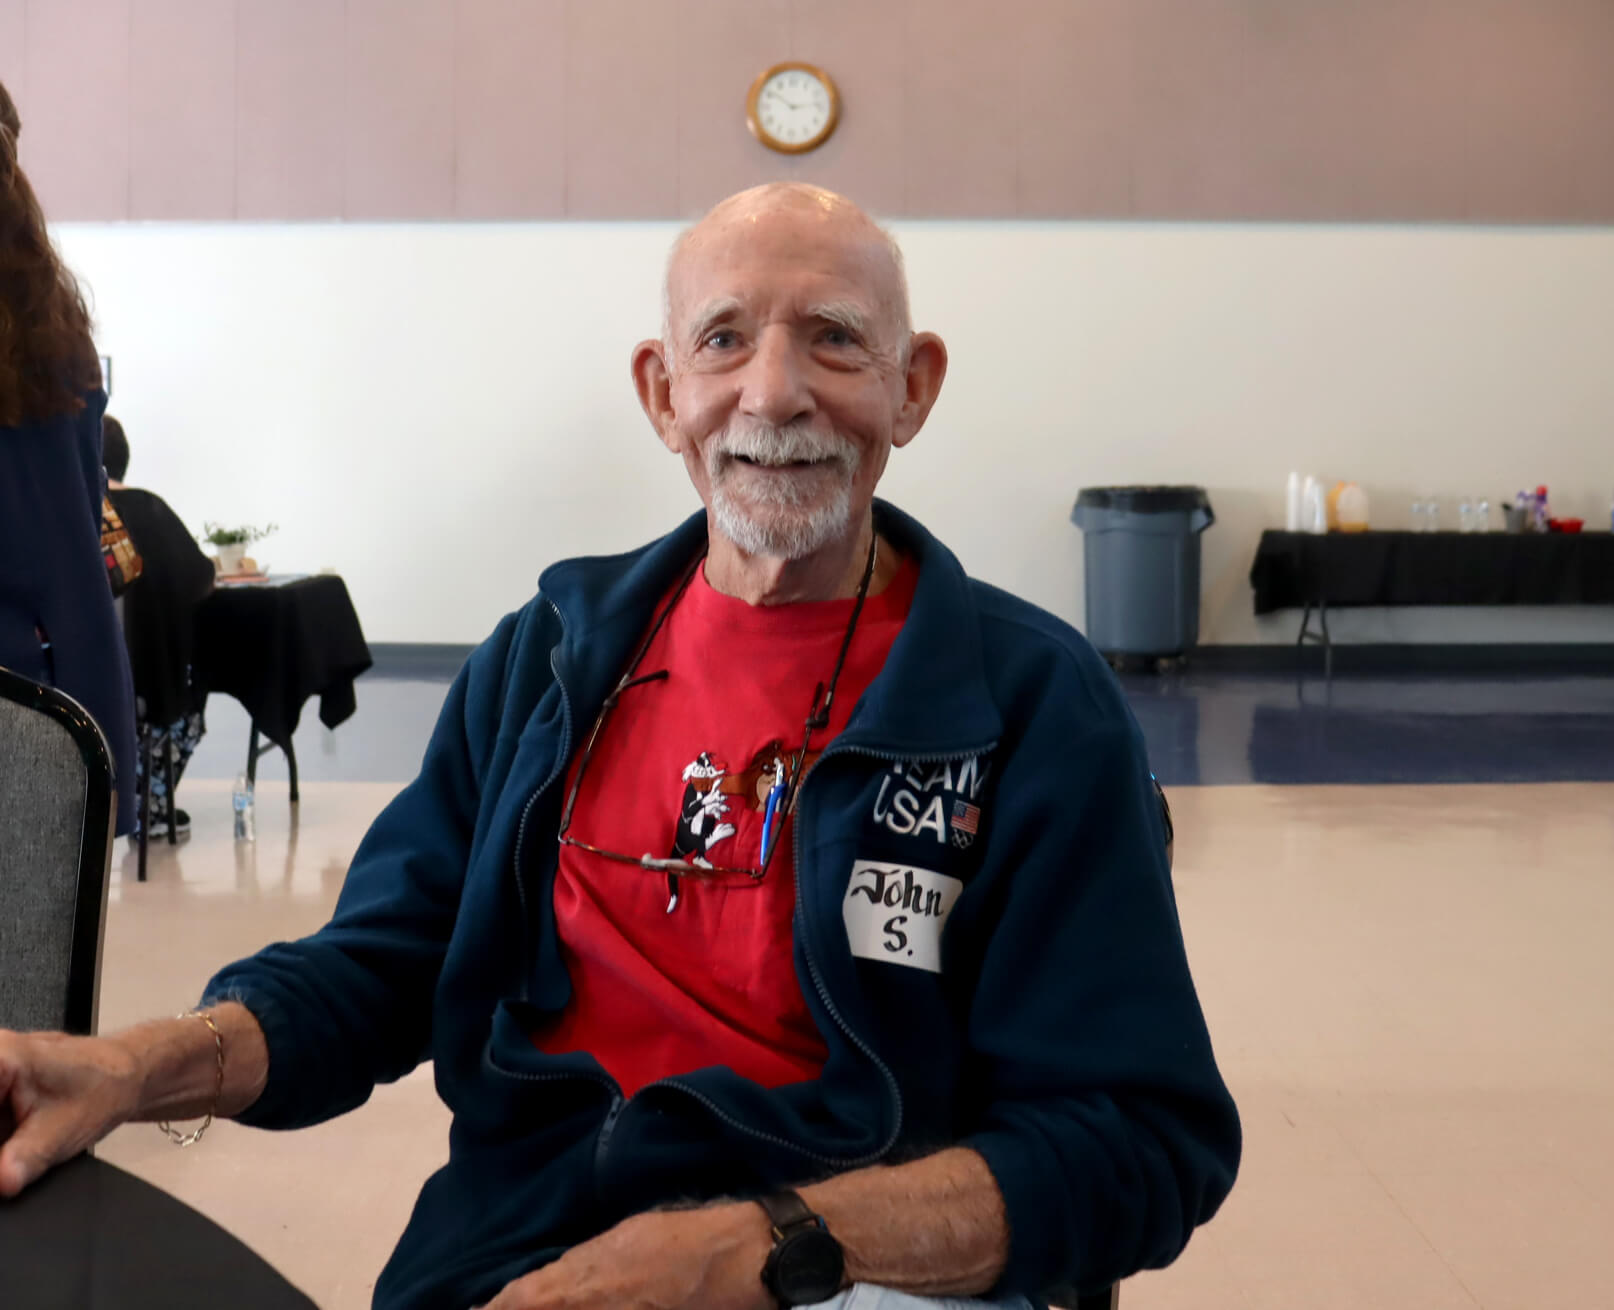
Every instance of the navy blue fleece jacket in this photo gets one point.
(1021, 989)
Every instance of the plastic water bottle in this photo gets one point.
(246, 823)
(1294, 504)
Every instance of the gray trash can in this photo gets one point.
(1142, 567)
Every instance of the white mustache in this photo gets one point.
(767, 444)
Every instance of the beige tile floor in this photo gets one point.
(1411, 991)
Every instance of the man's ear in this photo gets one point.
(927, 367)
(652, 379)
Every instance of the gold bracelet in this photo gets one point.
(191, 1138)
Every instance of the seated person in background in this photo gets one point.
(158, 623)
(783, 910)
(57, 622)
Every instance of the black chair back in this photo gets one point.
(56, 819)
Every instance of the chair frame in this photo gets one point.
(95, 842)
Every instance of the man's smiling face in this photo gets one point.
(786, 351)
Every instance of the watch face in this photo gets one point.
(809, 1267)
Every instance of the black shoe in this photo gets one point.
(159, 824)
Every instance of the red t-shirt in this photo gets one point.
(684, 765)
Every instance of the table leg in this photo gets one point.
(1324, 638)
(254, 750)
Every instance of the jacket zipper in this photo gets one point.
(603, 1140)
(614, 1110)
(863, 1047)
(526, 810)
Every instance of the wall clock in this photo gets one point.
(793, 107)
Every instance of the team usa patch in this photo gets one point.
(934, 803)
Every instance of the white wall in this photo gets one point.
(437, 411)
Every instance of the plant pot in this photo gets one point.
(230, 557)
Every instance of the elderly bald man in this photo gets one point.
(785, 912)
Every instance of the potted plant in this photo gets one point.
(232, 543)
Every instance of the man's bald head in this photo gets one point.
(834, 216)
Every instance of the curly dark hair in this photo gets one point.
(47, 356)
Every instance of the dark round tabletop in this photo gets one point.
(89, 1236)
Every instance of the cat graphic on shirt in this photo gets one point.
(700, 825)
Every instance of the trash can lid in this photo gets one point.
(1143, 500)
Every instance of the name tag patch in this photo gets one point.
(896, 913)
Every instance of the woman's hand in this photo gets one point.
(59, 1095)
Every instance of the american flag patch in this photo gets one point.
(966, 818)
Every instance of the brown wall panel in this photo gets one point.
(400, 109)
(1297, 110)
(510, 109)
(291, 92)
(1541, 111)
(1075, 96)
(1356, 112)
(76, 107)
(961, 129)
(717, 155)
(622, 87)
(862, 46)
(182, 99)
(1190, 73)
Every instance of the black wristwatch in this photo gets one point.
(806, 1265)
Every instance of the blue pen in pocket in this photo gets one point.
(776, 794)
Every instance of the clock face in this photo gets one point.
(793, 108)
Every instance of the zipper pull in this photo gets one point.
(672, 893)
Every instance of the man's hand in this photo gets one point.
(58, 1096)
(709, 1259)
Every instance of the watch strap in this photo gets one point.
(787, 1211)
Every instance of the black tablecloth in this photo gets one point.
(1343, 569)
(90, 1237)
(272, 647)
